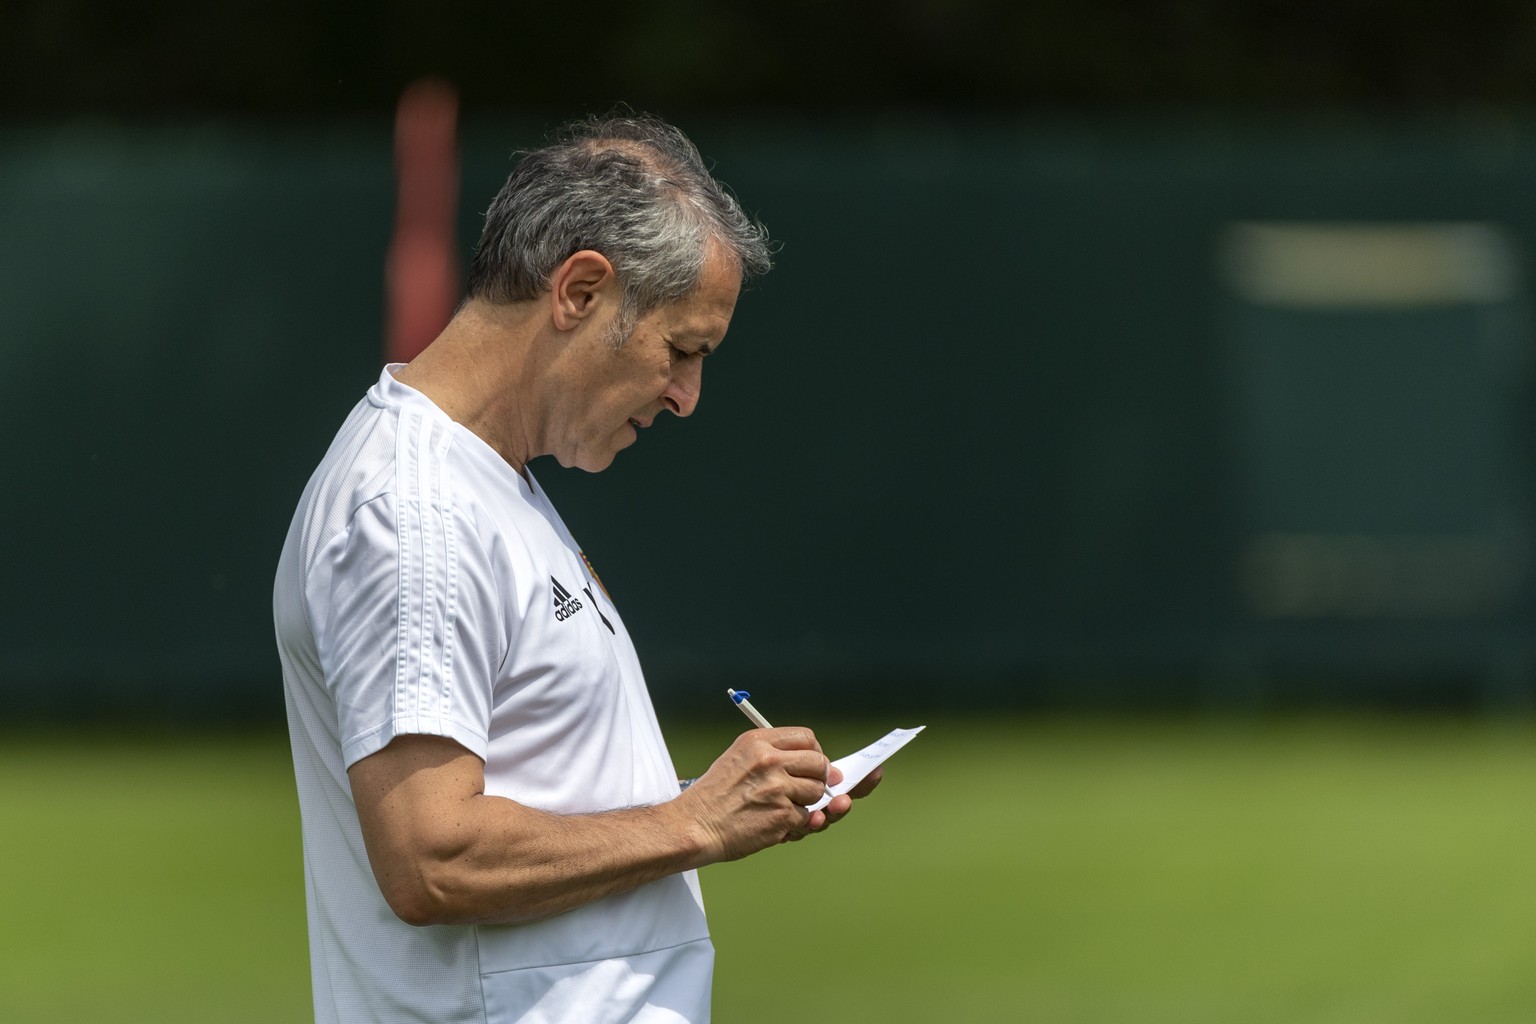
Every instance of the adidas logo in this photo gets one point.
(565, 604)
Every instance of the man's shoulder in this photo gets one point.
(361, 462)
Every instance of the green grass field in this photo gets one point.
(1060, 870)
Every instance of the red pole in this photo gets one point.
(421, 273)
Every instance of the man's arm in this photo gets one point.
(444, 852)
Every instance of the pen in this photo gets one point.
(739, 698)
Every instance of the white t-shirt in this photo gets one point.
(426, 587)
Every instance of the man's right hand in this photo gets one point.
(755, 794)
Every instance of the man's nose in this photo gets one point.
(682, 394)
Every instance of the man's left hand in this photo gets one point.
(841, 804)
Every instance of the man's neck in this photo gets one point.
(482, 371)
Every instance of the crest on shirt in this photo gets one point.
(593, 573)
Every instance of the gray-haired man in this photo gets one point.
(493, 829)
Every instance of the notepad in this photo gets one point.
(860, 763)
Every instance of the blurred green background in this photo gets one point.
(1142, 400)
(1039, 868)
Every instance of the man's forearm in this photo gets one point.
(512, 863)
(444, 852)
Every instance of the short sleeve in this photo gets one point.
(408, 627)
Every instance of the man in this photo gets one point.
(493, 829)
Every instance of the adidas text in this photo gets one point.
(565, 604)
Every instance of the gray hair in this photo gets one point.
(630, 187)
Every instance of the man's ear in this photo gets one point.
(579, 287)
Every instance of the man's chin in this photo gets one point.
(595, 458)
(589, 461)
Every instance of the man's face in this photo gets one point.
(658, 369)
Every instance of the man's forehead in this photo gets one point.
(706, 317)
(697, 327)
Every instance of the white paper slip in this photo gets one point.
(859, 764)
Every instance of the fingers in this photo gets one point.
(843, 802)
(815, 821)
(834, 811)
(756, 792)
(798, 755)
(867, 786)
(788, 738)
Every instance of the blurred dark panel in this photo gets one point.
(980, 437)
(174, 57)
